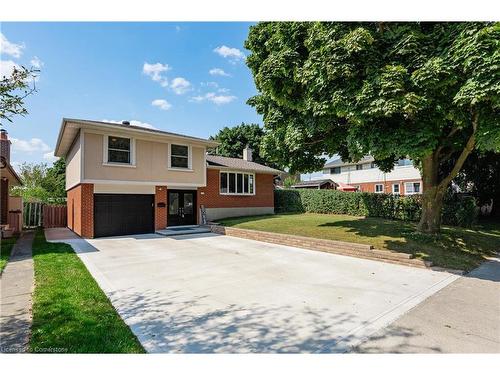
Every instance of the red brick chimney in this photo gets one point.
(4, 145)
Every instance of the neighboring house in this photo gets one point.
(10, 207)
(364, 175)
(316, 184)
(123, 179)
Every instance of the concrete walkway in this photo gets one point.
(463, 317)
(16, 286)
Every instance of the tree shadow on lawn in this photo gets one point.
(175, 323)
(454, 247)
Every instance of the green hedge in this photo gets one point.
(457, 210)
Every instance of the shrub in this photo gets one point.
(457, 210)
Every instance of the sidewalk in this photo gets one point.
(16, 287)
(463, 317)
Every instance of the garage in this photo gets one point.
(123, 214)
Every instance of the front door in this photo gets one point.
(181, 207)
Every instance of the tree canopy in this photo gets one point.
(234, 139)
(13, 91)
(392, 90)
(42, 183)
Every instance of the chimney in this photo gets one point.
(4, 145)
(247, 153)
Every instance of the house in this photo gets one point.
(10, 207)
(316, 184)
(123, 179)
(364, 175)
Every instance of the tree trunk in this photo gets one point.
(432, 197)
(434, 189)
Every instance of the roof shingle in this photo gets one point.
(239, 164)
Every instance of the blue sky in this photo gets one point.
(189, 78)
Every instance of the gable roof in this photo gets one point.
(239, 164)
(338, 162)
(71, 127)
(313, 183)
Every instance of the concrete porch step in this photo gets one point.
(183, 230)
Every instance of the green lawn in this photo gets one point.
(70, 311)
(6, 245)
(455, 247)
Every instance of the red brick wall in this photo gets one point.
(369, 187)
(264, 193)
(80, 205)
(160, 212)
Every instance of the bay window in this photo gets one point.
(237, 183)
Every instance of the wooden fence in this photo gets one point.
(54, 216)
(44, 215)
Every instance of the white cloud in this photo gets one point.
(218, 72)
(132, 122)
(162, 104)
(49, 156)
(6, 67)
(180, 85)
(210, 84)
(36, 62)
(29, 146)
(12, 49)
(214, 98)
(233, 54)
(154, 71)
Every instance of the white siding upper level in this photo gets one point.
(367, 172)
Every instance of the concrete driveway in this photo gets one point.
(209, 293)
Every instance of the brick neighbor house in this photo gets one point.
(10, 207)
(364, 175)
(123, 179)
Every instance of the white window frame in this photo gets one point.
(399, 189)
(412, 192)
(105, 155)
(236, 181)
(379, 192)
(190, 157)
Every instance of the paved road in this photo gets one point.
(463, 317)
(210, 293)
(16, 286)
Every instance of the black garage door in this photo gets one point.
(122, 214)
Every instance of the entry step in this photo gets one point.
(182, 230)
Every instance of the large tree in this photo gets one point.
(42, 183)
(234, 139)
(14, 89)
(392, 90)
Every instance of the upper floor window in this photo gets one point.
(372, 165)
(403, 162)
(237, 183)
(119, 150)
(335, 170)
(179, 157)
(359, 167)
